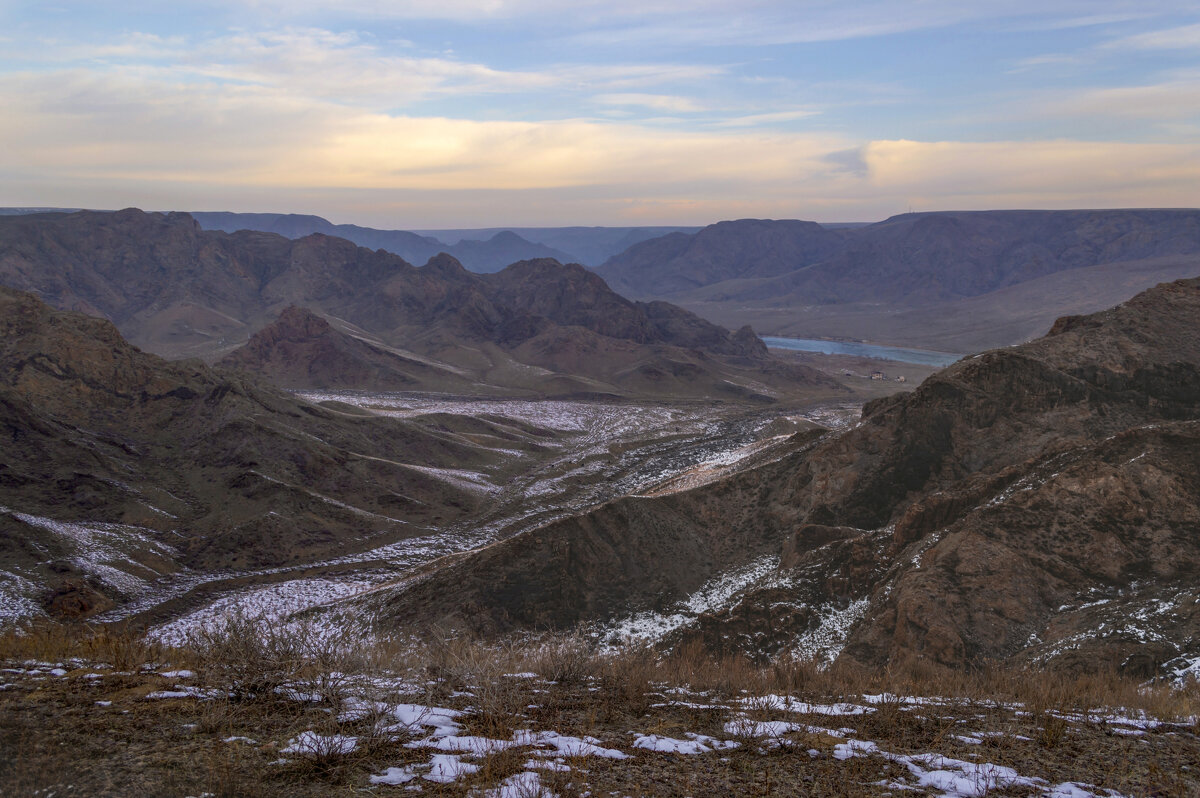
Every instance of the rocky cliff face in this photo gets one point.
(1039, 503)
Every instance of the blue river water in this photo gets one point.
(925, 357)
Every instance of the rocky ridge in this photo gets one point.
(915, 257)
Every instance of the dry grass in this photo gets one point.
(44, 640)
(54, 734)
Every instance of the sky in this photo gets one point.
(480, 113)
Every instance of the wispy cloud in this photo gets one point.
(345, 68)
(657, 102)
(144, 137)
(1040, 62)
(1168, 101)
(772, 118)
(1185, 37)
(353, 69)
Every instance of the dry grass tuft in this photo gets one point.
(47, 641)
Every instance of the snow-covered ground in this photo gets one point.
(110, 554)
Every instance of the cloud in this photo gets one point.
(774, 117)
(657, 102)
(1085, 21)
(345, 68)
(357, 69)
(1040, 62)
(1186, 37)
(1062, 173)
(808, 21)
(715, 22)
(156, 143)
(1168, 101)
(127, 124)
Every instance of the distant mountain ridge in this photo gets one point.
(590, 246)
(955, 281)
(480, 250)
(178, 290)
(495, 253)
(912, 257)
(749, 248)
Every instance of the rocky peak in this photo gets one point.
(747, 342)
(294, 323)
(446, 266)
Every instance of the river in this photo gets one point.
(925, 357)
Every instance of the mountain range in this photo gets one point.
(536, 328)
(1035, 504)
(479, 250)
(500, 249)
(952, 280)
(590, 246)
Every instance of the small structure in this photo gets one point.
(901, 379)
(878, 375)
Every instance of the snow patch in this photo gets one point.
(717, 593)
(695, 744)
(310, 743)
(827, 640)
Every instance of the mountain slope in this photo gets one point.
(302, 350)
(748, 248)
(1039, 503)
(120, 467)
